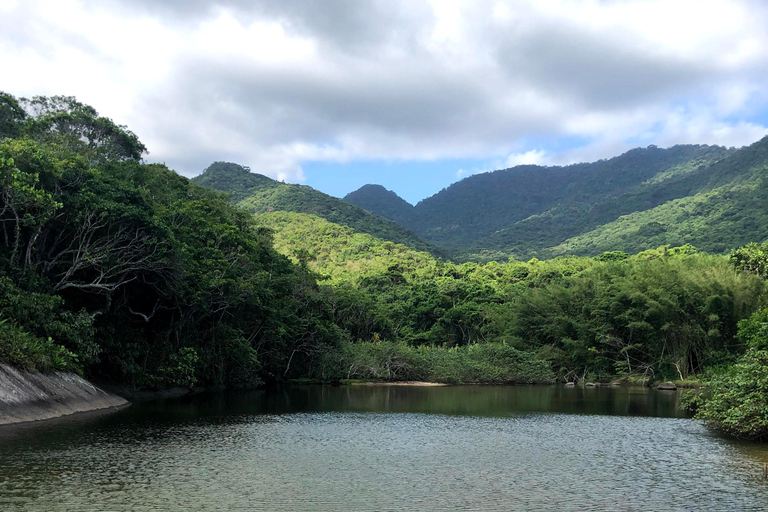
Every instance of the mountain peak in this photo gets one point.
(233, 178)
(374, 191)
(377, 199)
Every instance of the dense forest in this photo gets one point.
(706, 196)
(129, 272)
(125, 271)
(663, 313)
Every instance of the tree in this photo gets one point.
(78, 127)
(12, 116)
(737, 401)
(752, 258)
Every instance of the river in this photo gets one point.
(366, 448)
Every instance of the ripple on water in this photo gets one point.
(363, 461)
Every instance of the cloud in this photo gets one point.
(532, 157)
(275, 84)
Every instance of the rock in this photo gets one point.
(28, 396)
(591, 384)
(570, 384)
(667, 386)
(615, 383)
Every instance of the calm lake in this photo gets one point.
(363, 448)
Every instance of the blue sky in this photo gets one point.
(411, 180)
(414, 180)
(410, 94)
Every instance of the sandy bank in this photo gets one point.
(26, 396)
(405, 383)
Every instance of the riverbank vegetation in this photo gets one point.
(482, 363)
(736, 401)
(128, 272)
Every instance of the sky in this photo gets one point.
(410, 94)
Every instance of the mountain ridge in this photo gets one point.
(535, 211)
(259, 194)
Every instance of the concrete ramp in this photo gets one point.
(26, 396)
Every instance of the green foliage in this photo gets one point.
(612, 256)
(525, 210)
(64, 121)
(664, 313)
(713, 221)
(236, 180)
(180, 369)
(667, 317)
(709, 197)
(336, 251)
(148, 278)
(23, 349)
(388, 361)
(12, 116)
(31, 323)
(129, 272)
(737, 400)
(752, 258)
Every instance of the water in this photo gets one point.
(384, 448)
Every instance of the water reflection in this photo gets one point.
(385, 448)
(450, 400)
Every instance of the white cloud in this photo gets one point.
(275, 84)
(532, 157)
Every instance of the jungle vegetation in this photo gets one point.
(126, 271)
(736, 401)
(129, 272)
(666, 313)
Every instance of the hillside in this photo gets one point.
(713, 221)
(236, 180)
(708, 196)
(336, 251)
(259, 194)
(381, 201)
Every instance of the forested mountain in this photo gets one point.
(667, 311)
(707, 196)
(386, 203)
(724, 207)
(236, 180)
(259, 194)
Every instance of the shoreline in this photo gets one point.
(27, 397)
(413, 383)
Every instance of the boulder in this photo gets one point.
(667, 386)
(570, 384)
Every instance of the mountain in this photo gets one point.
(728, 208)
(259, 194)
(708, 196)
(383, 202)
(234, 179)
